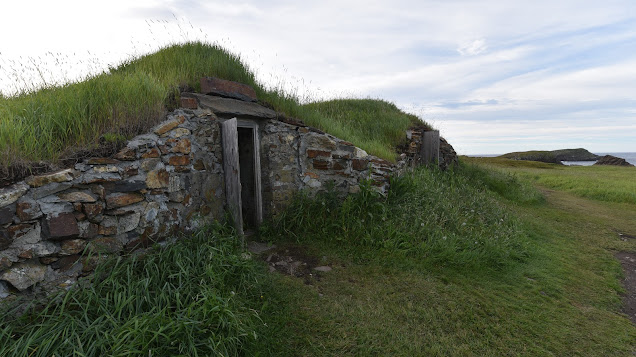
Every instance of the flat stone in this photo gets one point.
(179, 132)
(88, 229)
(158, 179)
(26, 234)
(24, 275)
(102, 161)
(182, 146)
(28, 209)
(105, 245)
(316, 153)
(229, 89)
(120, 199)
(125, 186)
(359, 164)
(55, 208)
(152, 153)
(320, 164)
(7, 213)
(72, 246)
(105, 168)
(5, 263)
(50, 189)
(234, 108)
(166, 126)
(92, 210)
(99, 177)
(18, 230)
(179, 160)
(77, 196)
(323, 268)
(126, 154)
(320, 142)
(43, 249)
(9, 195)
(189, 103)
(5, 240)
(4, 290)
(128, 223)
(62, 226)
(58, 176)
(65, 263)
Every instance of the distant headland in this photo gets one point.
(553, 157)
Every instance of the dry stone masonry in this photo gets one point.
(55, 227)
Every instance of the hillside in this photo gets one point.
(553, 157)
(57, 126)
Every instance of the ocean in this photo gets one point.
(628, 156)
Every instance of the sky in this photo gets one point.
(494, 76)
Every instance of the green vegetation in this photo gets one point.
(376, 125)
(198, 297)
(47, 123)
(603, 183)
(555, 156)
(517, 274)
(562, 298)
(429, 214)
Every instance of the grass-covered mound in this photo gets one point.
(53, 122)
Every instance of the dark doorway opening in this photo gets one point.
(248, 178)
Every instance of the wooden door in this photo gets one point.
(229, 139)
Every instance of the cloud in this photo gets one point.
(472, 48)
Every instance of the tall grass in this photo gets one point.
(45, 124)
(443, 218)
(198, 297)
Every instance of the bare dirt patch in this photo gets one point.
(628, 262)
(291, 259)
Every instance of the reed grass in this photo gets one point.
(47, 123)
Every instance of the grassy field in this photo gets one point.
(471, 262)
(54, 121)
(559, 295)
(603, 183)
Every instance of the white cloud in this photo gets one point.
(472, 48)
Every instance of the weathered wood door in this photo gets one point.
(430, 147)
(229, 138)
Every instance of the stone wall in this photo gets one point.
(54, 227)
(162, 181)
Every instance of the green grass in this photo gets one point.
(198, 297)
(47, 123)
(561, 299)
(443, 218)
(602, 183)
(540, 281)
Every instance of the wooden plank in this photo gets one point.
(229, 140)
(257, 177)
(430, 147)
